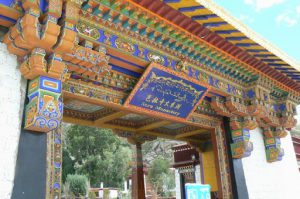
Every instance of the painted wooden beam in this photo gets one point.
(154, 125)
(119, 107)
(71, 120)
(170, 137)
(90, 123)
(190, 133)
(110, 117)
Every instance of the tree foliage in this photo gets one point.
(77, 184)
(160, 176)
(98, 154)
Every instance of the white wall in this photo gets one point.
(177, 182)
(198, 174)
(12, 93)
(278, 180)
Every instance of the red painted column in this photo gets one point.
(138, 186)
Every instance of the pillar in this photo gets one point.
(209, 169)
(239, 187)
(39, 46)
(38, 167)
(138, 185)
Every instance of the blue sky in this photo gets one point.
(278, 21)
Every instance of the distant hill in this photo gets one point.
(159, 147)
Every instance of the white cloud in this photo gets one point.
(286, 19)
(289, 17)
(298, 10)
(263, 4)
(246, 19)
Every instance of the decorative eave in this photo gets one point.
(235, 52)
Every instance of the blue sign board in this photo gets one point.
(162, 91)
(197, 191)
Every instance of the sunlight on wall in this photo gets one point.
(298, 115)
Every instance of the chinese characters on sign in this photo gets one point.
(167, 93)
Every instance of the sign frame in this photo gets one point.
(157, 113)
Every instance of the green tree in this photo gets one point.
(98, 154)
(160, 176)
(68, 165)
(77, 185)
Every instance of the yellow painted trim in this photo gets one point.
(110, 117)
(71, 120)
(210, 169)
(191, 133)
(154, 125)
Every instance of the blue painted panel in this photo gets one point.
(136, 50)
(203, 17)
(225, 31)
(235, 38)
(50, 84)
(172, 1)
(274, 64)
(190, 9)
(245, 44)
(215, 24)
(125, 71)
(284, 69)
(197, 191)
(43, 5)
(257, 50)
(7, 2)
(102, 37)
(263, 55)
(113, 39)
(166, 93)
(7, 19)
(125, 61)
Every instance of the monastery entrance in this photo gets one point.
(146, 69)
(139, 128)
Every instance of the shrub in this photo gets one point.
(92, 195)
(77, 184)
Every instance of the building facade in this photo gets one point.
(182, 70)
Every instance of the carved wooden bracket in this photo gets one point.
(36, 65)
(257, 109)
(272, 145)
(218, 105)
(236, 106)
(241, 146)
(44, 111)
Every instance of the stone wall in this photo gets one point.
(278, 180)
(12, 95)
